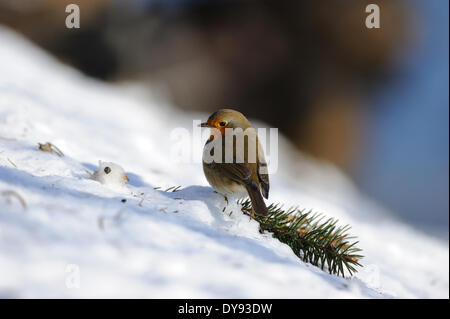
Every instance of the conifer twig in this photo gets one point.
(315, 241)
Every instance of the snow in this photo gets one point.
(63, 234)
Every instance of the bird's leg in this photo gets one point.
(249, 212)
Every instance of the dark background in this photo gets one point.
(374, 102)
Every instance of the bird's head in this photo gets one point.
(226, 118)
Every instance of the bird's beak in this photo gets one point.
(204, 125)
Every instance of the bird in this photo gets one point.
(233, 159)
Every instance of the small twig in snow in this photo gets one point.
(9, 194)
(12, 163)
(50, 148)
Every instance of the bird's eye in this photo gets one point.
(223, 123)
(107, 170)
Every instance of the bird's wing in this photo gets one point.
(238, 172)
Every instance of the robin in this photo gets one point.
(233, 159)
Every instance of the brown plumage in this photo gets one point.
(241, 173)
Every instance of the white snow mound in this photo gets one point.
(109, 173)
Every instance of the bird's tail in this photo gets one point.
(258, 205)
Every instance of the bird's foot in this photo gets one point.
(249, 212)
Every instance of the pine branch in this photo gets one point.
(315, 241)
(320, 243)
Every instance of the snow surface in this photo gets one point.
(63, 234)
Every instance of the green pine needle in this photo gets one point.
(315, 241)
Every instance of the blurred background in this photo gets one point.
(375, 102)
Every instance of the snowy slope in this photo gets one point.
(76, 238)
